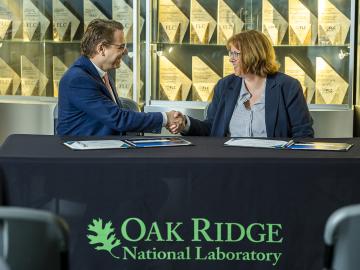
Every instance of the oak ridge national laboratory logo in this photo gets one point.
(104, 237)
(223, 240)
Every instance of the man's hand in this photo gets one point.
(176, 122)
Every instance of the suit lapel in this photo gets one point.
(85, 63)
(272, 92)
(231, 99)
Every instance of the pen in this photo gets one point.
(82, 144)
(289, 143)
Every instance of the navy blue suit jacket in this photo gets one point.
(86, 107)
(286, 111)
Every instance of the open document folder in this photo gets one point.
(262, 143)
(128, 143)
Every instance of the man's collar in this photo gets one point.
(99, 70)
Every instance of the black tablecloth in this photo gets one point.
(181, 187)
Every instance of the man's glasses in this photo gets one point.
(119, 47)
(234, 55)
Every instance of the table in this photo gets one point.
(197, 207)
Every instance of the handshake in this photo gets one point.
(176, 122)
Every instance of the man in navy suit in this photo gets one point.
(88, 101)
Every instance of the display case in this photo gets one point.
(40, 39)
(313, 40)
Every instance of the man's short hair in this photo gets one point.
(98, 31)
(257, 55)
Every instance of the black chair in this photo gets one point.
(33, 239)
(129, 104)
(342, 239)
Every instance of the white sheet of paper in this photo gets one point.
(93, 145)
(255, 143)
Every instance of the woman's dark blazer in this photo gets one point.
(286, 112)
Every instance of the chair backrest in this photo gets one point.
(342, 239)
(129, 104)
(55, 117)
(33, 239)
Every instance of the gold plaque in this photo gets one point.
(274, 26)
(33, 82)
(124, 81)
(331, 88)
(294, 70)
(91, 12)
(9, 80)
(59, 69)
(202, 24)
(204, 80)
(65, 24)
(228, 23)
(5, 20)
(123, 13)
(35, 23)
(9, 11)
(302, 24)
(333, 25)
(228, 68)
(174, 84)
(172, 22)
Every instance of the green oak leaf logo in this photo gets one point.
(104, 238)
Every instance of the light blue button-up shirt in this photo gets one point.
(248, 122)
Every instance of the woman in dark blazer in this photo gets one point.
(255, 101)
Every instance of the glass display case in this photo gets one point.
(40, 39)
(313, 40)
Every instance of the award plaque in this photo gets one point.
(123, 13)
(333, 25)
(124, 81)
(331, 88)
(274, 26)
(174, 84)
(204, 80)
(5, 20)
(35, 23)
(33, 82)
(172, 22)
(9, 80)
(59, 69)
(65, 24)
(294, 70)
(91, 12)
(202, 24)
(228, 23)
(228, 68)
(10, 22)
(302, 24)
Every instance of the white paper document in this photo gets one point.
(259, 143)
(99, 144)
(290, 145)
